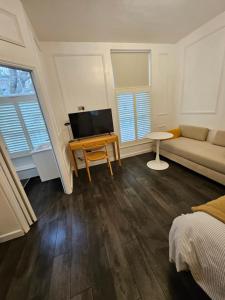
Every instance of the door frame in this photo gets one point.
(46, 114)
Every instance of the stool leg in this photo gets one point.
(88, 171)
(87, 167)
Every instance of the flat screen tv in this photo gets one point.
(89, 123)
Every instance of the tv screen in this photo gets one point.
(88, 123)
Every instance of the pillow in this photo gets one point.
(175, 132)
(219, 138)
(194, 132)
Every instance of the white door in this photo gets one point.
(16, 213)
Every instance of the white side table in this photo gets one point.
(158, 164)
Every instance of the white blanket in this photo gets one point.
(197, 243)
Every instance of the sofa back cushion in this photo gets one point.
(211, 135)
(194, 132)
(219, 138)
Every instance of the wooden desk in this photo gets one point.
(108, 139)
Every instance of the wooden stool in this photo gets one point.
(93, 152)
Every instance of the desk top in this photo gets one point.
(109, 138)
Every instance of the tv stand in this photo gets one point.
(110, 138)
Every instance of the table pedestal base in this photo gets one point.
(157, 165)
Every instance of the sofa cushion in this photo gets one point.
(211, 135)
(219, 138)
(194, 132)
(202, 153)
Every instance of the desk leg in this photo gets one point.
(75, 164)
(114, 151)
(118, 152)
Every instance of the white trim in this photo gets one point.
(19, 98)
(162, 114)
(135, 143)
(130, 50)
(166, 108)
(26, 167)
(20, 41)
(134, 153)
(11, 235)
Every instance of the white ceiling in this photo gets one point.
(155, 21)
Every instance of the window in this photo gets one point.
(134, 110)
(22, 126)
(15, 82)
(133, 97)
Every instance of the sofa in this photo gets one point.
(199, 149)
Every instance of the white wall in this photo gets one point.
(81, 74)
(200, 82)
(25, 167)
(19, 47)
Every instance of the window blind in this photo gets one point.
(22, 125)
(11, 129)
(134, 109)
(130, 69)
(34, 123)
(125, 103)
(143, 112)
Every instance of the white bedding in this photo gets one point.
(197, 243)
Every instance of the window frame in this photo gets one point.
(132, 90)
(15, 100)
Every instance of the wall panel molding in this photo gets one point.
(217, 56)
(163, 82)
(10, 29)
(56, 58)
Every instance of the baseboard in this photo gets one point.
(123, 155)
(11, 235)
(139, 152)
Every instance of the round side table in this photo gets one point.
(158, 164)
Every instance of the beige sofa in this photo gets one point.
(199, 149)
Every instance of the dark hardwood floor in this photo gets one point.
(43, 195)
(106, 241)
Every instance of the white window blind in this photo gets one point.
(134, 109)
(12, 129)
(34, 123)
(22, 126)
(130, 69)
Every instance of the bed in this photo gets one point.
(197, 243)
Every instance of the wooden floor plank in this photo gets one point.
(108, 239)
(85, 295)
(60, 279)
(142, 273)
